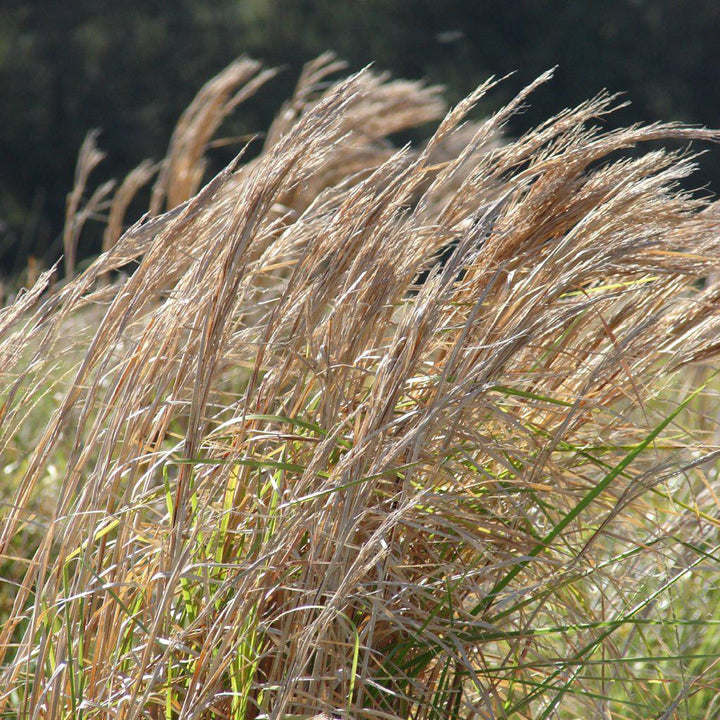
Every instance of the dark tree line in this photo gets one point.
(130, 68)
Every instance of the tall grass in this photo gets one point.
(295, 465)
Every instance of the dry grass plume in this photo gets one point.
(270, 474)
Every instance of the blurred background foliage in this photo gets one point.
(130, 68)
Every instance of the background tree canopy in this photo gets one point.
(130, 69)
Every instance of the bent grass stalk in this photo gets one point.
(371, 432)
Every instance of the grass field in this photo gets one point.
(359, 431)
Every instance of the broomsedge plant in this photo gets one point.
(295, 464)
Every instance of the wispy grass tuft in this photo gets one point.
(296, 465)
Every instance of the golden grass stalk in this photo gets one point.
(125, 194)
(292, 480)
(123, 197)
(184, 167)
(75, 215)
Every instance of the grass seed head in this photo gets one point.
(274, 475)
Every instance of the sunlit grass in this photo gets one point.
(299, 466)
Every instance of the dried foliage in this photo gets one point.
(75, 215)
(184, 166)
(293, 480)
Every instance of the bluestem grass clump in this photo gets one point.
(290, 480)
